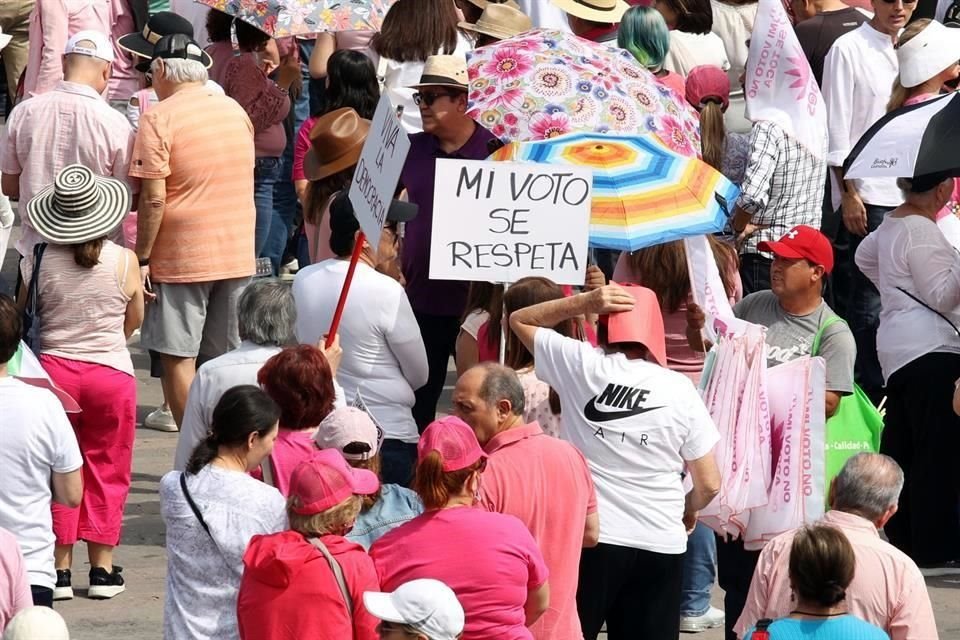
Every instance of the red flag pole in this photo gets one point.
(335, 324)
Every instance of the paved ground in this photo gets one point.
(137, 614)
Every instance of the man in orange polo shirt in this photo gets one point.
(194, 154)
(541, 480)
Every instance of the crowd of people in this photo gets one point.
(182, 176)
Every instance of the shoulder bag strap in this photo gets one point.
(921, 302)
(33, 292)
(337, 573)
(193, 505)
(815, 349)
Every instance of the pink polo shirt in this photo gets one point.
(887, 589)
(290, 449)
(72, 124)
(14, 584)
(545, 483)
(52, 22)
(490, 561)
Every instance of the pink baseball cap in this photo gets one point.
(454, 440)
(708, 82)
(643, 323)
(324, 480)
(346, 425)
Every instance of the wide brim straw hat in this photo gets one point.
(500, 21)
(79, 206)
(602, 11)
(444, 71)
(336, 141)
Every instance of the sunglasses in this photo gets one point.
(429, 98)
(390, 626)
(904, 2)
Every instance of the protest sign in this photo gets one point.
(705, 283)
(502, 221)
(377, 172)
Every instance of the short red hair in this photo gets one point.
(300, 381)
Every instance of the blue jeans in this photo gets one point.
(397, 461)
(285, 205)
(858, 302)
(265, 175)
(699, 572)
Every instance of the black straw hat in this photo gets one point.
(163, 23)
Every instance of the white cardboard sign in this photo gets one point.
(378, 170)
(503, 221)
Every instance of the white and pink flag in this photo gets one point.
(779, 84)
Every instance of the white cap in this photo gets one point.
(928, 53)
(429, 606)
(101, 49)
(36, 622)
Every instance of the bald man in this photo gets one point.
(69, 125)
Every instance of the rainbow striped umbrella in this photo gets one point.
(643, 193)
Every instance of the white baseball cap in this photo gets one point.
(101, 49)
(928, 53)
(36, 622)
(429, 606)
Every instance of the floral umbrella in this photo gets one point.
(283, 18)
(545, 83)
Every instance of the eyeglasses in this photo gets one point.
(390, 626)
(429, 98)
(904, 2)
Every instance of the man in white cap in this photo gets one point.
(72, 124)
(421, 609)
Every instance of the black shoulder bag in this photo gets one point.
(31, 321)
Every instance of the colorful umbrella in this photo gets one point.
(544, 83)
(283, 18)
(643, 193)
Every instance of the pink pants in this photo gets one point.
(105, 432)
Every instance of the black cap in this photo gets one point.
(162, 23)
(343, 221)
(178, 46)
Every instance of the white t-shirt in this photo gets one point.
(472, 323)
(383, 353)
(204, 570)
(912, 253)
(635, 423)
(689, 50)
(37, 441)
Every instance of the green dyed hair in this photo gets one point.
(643, 32)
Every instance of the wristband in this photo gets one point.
(143, 261)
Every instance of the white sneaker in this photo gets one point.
(161, 419)
(712, 619)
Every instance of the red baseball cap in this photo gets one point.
(705, 82)
(454, 440)
(643, 323)
(802, 242)
(324, 480)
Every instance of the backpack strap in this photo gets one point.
(761, 632)
(337, 574)
(815, 349)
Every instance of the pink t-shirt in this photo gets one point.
(14, 584)
(680, 357)
(490, 561)
(290, 449)
(546, 483)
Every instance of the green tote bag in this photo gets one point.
(854, 428)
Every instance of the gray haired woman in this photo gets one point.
(267, 316)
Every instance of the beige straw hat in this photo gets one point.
(483, 3)
(444, 71)
(602, 11)
(500, 21)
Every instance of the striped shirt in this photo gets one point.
(783, 184)
(201, 143)
(72, 124)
